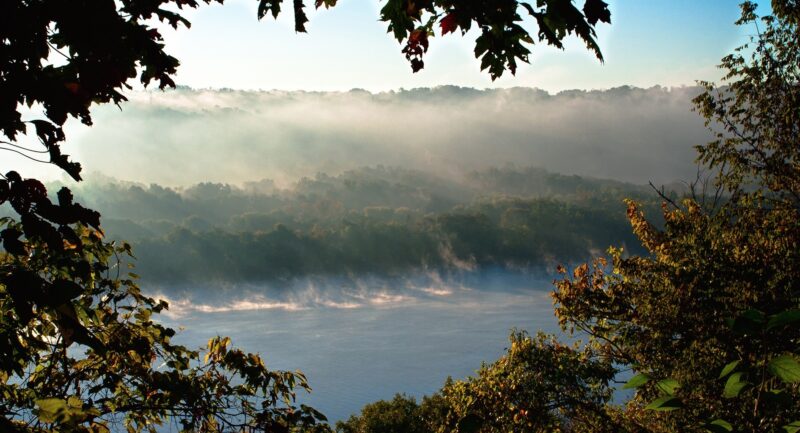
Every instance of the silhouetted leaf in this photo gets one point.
(11, 242)
(300, 18)
(4, 191)
(62, 291)
(327, 3)
(596, 10)
(470, 424)
(269, 6)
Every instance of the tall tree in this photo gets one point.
(710, 320)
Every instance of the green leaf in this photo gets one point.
(793, 427)
(785, 318)
(664, 404)
(753, 315)
(748, 322)
(668, 386)
(637, 381)
(719, 426)
(728, 369)
(51, 409)
(785, 367)
(74, 402)
(734, 385)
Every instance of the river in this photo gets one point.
(360, 341)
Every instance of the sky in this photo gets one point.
(668, 43)
(650, 42)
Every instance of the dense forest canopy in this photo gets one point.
(370, 221)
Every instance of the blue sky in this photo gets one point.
(665, 42)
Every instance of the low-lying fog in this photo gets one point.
(187, 136)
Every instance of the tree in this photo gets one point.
(710, 318)
(539, 385)
(400, 415)
(79, 350)
(82, 353)
(755, 116)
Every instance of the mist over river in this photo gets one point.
(362, 340)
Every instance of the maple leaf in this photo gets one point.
(448, 24)
(596, 10)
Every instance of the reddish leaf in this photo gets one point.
(72, 87)
(448, 24)
(418, 37)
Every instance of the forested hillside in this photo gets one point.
(375, 220)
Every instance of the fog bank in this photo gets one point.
(187, 136)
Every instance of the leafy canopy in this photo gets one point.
(710, 318)
(538, 385)
(81, 352)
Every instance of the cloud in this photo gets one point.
(187, 136)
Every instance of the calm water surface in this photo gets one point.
(370, 344)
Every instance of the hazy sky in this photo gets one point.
(651, 42)
(188, 136)
(665, 42)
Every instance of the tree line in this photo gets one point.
(375, 220)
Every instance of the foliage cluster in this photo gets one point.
(538, 385)
(81, 351)
(729, 274)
